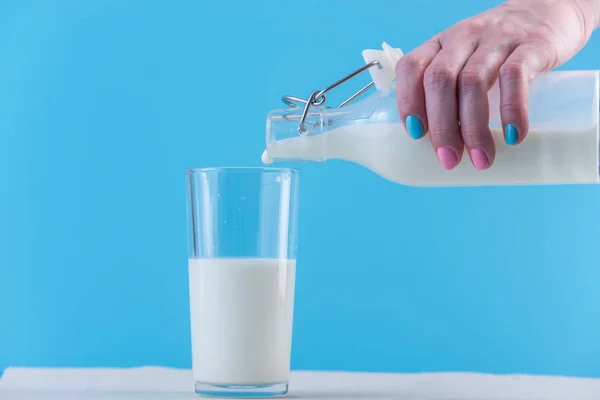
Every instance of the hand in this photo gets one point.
(446, 80)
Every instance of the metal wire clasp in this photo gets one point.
(319, 97)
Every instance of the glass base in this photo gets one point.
(241, 391)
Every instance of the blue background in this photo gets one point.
(104, 103)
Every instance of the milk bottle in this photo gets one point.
(561, 147)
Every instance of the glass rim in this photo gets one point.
(244, 169)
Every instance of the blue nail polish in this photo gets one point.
(511, 135)
(414, 127)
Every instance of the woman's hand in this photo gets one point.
(446, 80)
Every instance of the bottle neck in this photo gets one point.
(288, 140)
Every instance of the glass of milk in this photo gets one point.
(242, 234)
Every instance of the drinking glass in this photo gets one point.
(242, 242)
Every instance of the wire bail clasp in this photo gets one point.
(318, 97)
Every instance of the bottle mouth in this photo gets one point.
(266, 158)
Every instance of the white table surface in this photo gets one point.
(155, 383)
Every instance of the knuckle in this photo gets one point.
(475, 138)
(471, 79)
(540, 35)
(512, 71)
(542, 46)
(410, 64)
(405, 103)
(507, 26)
(473, 25)
(514, 109)
(441, 132)
(437, 129)
(438, 76)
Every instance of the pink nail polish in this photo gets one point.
(480, 160)
(447, 158)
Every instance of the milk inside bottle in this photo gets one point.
(561, 146)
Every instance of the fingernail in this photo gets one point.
(414, 127)
(480, 160)
(447, 158)
(511, 135)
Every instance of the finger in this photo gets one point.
(474, 81)
(409, 87)
(441, 101)
(525, 62)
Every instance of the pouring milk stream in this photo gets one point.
(561, 147)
